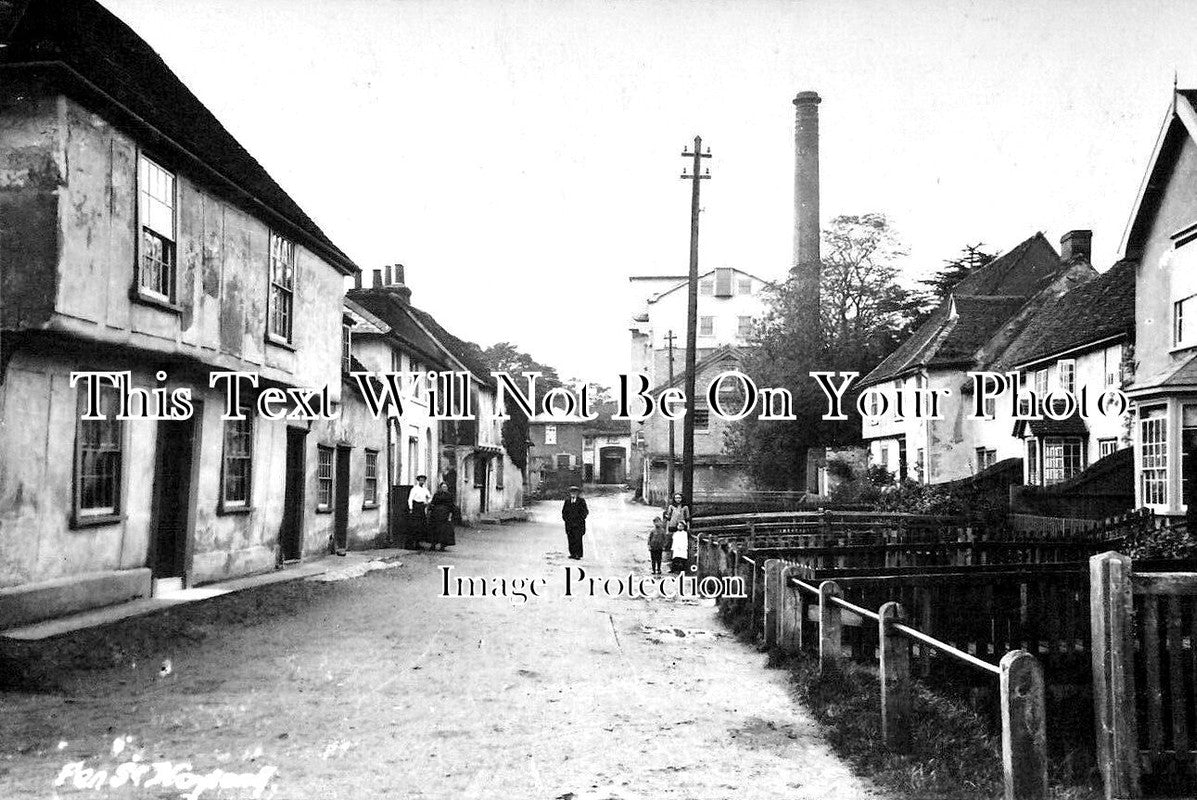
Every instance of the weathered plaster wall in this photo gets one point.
(55, 143)
(32, 170)
(1153, 295)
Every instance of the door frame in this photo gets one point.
(300, 433)
(343, 457)
(187, 532)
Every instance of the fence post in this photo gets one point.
(1024, 733)
(773, 590)
(830, 629)
(790, 614)
(895, 679)
(1111, 603)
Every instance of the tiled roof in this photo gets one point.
(389, 307)
(463, 351)
(983, 302)
(1093, 312)
(100, 56)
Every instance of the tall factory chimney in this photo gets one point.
(807, 262)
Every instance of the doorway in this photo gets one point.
(290, 535)
(482, 481)
(341, 508)
(171, 503)
(611, 465)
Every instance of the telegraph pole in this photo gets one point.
(672, 455)
(692, 319)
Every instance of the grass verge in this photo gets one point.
(954, 755)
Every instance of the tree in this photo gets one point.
(937, 288)
(506, 357)
(864, 313)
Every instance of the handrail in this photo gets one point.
(864, 612)
(906, 630)
(918, 635)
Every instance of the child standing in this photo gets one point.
(657, 541)
(679, 547)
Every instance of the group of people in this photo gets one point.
(670, 531)
(430, 516)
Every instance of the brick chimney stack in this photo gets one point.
(391, 278)
(807, 262)
(1077, 245)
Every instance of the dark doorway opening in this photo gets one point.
(341, 511)
(611, 465)
(290, 535)
(172, 498)
(482, 481)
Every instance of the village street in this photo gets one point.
(375, 686)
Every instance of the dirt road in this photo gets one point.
(377, 686)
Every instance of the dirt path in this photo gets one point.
(377, 686)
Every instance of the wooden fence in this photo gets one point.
(1144, 631)
(778, 596)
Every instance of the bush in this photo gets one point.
(1174, 541)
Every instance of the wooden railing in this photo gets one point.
(779, 596)
(1144, 631)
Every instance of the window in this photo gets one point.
(370, 485)
(346, 346)
(98, 460)
(396, 361)
(744, 285)
(985, 458)
(702, 419)
(550, 434)
(706, 288)
(743, 327)
(324, 478)
(1113, 365)
(1067, 370)
(1033, 462)
(884, 453)
(282, 287)
(1040, 384)
(1153, 444)
(564, 461)
(1188, 442)
(920, 465)
(1106, 447)
(990, 407)
(499, 475)
(1062, 459)
(1184, 322)
(238, 462)
(156, 214)
(706, 326)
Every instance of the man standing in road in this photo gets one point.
(574, 513)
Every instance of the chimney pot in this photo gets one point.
(378, 278)
(1076, 245)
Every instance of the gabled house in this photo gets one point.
(468, 455)
(966, 332)
(1079, 343)
(1161, 240)
(715, 469)
(137, 235)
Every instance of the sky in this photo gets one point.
(522, 159)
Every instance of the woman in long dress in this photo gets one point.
(441, 517)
